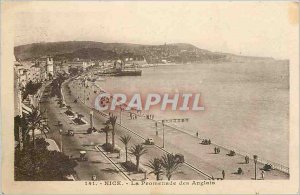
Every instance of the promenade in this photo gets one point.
(199, 156)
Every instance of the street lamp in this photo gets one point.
(163, 124)
(61, 141)
(121, 115)
(255, 162)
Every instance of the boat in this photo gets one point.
(128, 72)
(120, 71)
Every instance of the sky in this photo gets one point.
(246, 28)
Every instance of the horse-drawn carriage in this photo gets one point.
(82, 156)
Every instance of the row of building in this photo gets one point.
(39, 71)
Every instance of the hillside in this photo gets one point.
(178, 52)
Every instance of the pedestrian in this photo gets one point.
(197, 134)
(262, 174)
(223, 174)
(246, 159)
(240, 171)
(94, 177)
(215, 149)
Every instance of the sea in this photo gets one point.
(246, 105)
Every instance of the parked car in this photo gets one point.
(231, 153)
(70, 132)
(82, 156)
(179, 158)
(149, 141)
(268, 167)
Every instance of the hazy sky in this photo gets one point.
(259, 29)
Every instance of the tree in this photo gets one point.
(35, 121)
(31, 89)
(41, 164)
(69, 108)
(156, 167)
(106, 130)
(137, 151)
(113, 120)
(170, 165)
(125, 140)
(21, 127)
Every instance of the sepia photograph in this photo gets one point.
(150, 96)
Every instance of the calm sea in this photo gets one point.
(246, 104)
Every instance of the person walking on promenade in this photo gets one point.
(262, 175)
(197, 134)
(215, 149)
(247, 159)
(240, 171)
(223, 174)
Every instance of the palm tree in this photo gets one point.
(156, 167)
(125, 140)
(113, 120)
(69, 108)
(137, 151)
(106, 130)
(170, 165)
(35, 121)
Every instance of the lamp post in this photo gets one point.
(120, 115)
(84, 94)
(255, 162)
(61, 142)
(163, 124)
(92, 119)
